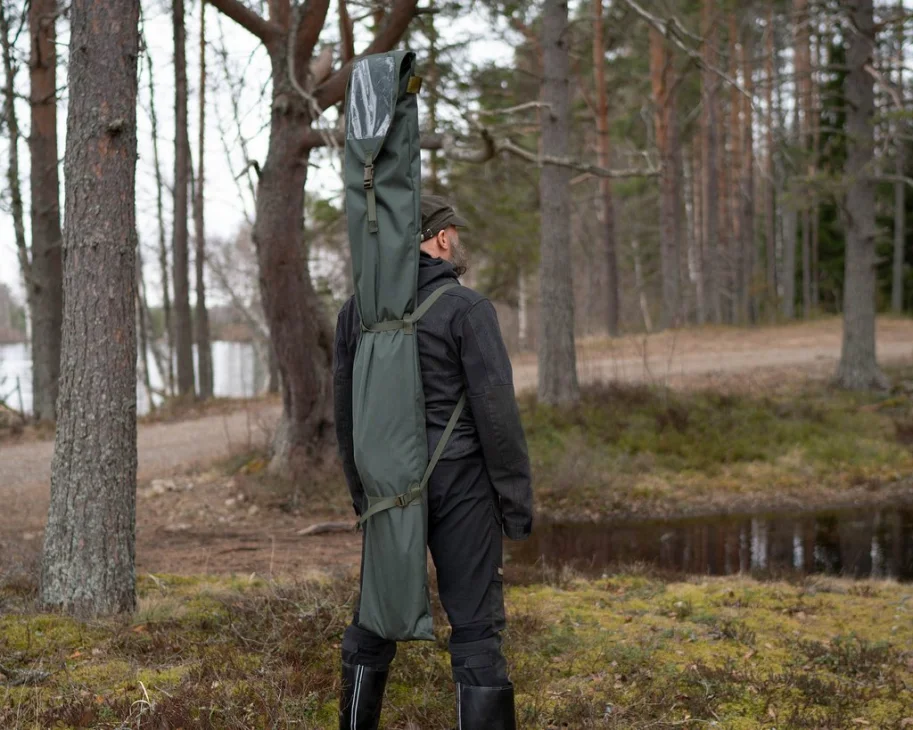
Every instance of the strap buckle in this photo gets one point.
(369, 175)
(401, 500)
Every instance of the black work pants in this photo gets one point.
(464, 536)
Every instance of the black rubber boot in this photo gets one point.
(362, 696)
(485, 708)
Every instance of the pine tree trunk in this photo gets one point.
(769, 184)
(142, 329)
(900, 188)
(165, 274)
(734, 196)
(858, 369)
(749, 306)
(46, 275)
(183, 324)
(88, 566)
(696, 257)
(557, 354)
(609, 238)
(709, 162)
(204, 347)
(803, 65)
(661, 69)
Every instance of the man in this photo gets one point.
(481, 485)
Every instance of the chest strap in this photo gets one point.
(407, 323)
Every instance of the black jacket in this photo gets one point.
(460, 349)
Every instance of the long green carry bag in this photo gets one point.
(383, 187)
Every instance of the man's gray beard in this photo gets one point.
(459, 259)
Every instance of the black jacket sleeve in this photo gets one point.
(489, 381)
(343, 361)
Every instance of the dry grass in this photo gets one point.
(629, 651)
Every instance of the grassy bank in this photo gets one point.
(640, 450)
(632, 651)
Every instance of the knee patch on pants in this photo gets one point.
(361, 647)
(479, 663)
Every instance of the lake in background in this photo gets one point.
(237, 373)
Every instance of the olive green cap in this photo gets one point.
(437, 214)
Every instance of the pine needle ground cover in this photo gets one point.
(628, 651)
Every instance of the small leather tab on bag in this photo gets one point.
(414, 85)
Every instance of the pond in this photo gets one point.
(874, 543)
(237, 373)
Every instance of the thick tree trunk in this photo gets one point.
(557, 354)
(183, 324)
(165, 274)
(609, 239)
(300, 329)
(204, 347)
(769, 183)
(46, 276)
(89, 543)
(858, 369)
(661, 72)
(709, 161)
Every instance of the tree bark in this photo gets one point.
(165, 273)
(900, 189)
(88, 566)
(557, 355)
(747, 181)
(709, 162)
(12, 126)
(734, 190)
(46, 276)
(770, 185)
(661, 71)
(142, 321)
(697, 259)
(204, 347)
(803, 66)
(609, 239)
(183, 324)
(858, 369)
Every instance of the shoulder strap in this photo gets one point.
(407, 323)
(415, 492)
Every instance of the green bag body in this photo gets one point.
(383, 189)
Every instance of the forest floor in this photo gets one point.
(630, 651)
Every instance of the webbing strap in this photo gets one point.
(407, 323)
(416, 490)
(370, 195)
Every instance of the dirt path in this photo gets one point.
(164, 448)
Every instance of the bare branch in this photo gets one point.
(885, 84)
(307, 24)
(674, 31)
(332, 91)
(346, 32)
(263, 29)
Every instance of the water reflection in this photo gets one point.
(873, 543)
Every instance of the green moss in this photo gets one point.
(626, 651)
(625, 448)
